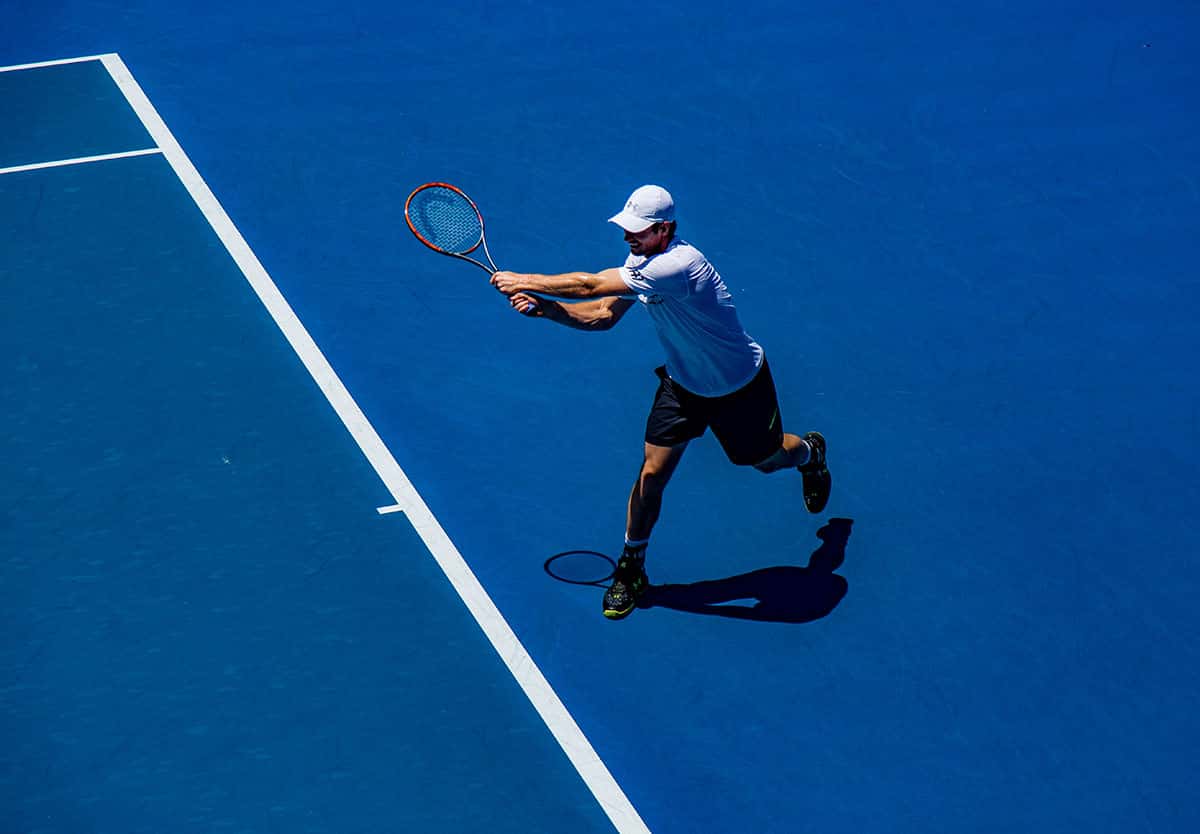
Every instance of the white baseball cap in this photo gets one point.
(646, 206)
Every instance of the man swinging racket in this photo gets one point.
(715, 375)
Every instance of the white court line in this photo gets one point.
(395, 508)
(79, 160)
(544, 699)
(58, 63)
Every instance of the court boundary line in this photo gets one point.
(78, 160)
(516, 658)
(55, 63)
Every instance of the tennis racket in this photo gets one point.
(446, 220)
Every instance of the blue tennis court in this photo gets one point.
(280, 485)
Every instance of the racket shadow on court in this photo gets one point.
(781, 594)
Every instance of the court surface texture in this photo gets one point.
(281, 486)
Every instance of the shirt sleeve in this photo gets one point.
(663, 274)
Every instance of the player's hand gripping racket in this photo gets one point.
(446, 220)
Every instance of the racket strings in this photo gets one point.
(446, 219)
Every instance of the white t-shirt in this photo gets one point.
(708, 351)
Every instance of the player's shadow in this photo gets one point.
(783, 594)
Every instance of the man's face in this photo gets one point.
(651, 241)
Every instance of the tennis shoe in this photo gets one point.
(817, 481)
(629, 583)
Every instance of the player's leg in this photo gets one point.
(675, 418)
(645, 502)
(750, 428)
(793, 453)
(645, 499)
(807, 454)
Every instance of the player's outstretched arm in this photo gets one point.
(599, 314)
(571, 285)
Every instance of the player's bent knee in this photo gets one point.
(652, 482)
(775, 462)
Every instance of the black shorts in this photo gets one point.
(747, 422)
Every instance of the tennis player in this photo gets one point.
(715, 375)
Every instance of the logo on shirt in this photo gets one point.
(645, 298)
